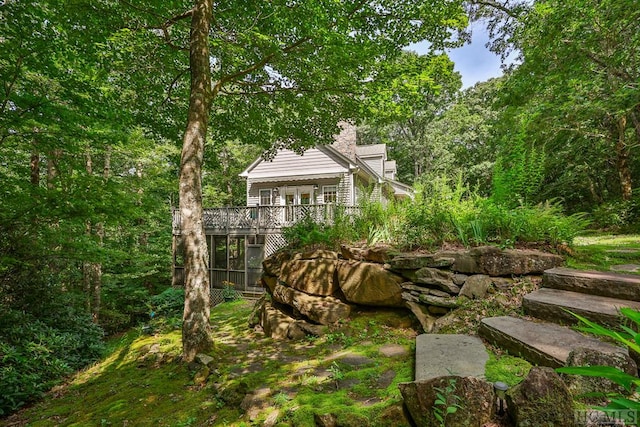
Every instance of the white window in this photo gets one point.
(265, 197)
(330, 193)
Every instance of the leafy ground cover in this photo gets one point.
(602, 251)
(346, 372)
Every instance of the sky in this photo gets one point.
(473, 61)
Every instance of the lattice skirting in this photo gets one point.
(272, 243)
(216, 296)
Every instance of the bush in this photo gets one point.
(124, 304)
(618, 215)
(169, 303)
(448, 212)
(37, 353)
(443, 211)
(326, 234)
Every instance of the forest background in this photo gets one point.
(94, 102)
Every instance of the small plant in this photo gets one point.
(629, 338)
(447, 402)
(169, 303)
(281, 399)
(228, 291)
(337, 374)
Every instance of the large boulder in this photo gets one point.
(369, 284)
(269, 282)
(580, 385)
(494, 261)
(315, 254)
(416, 261)
(322, 310)
(315, 277)
(541, 400)
(475, 397)
(275, 323)
(273, 264)
(516, 262)
(476, 286)
(379, 253)
(427, 321)
(433, 277)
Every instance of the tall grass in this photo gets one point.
(443, 211)
(446, 211)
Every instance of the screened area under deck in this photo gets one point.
(232, 259)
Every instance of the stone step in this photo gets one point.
(551, 305)
(544, 344)
(449, 354)
(613, 285)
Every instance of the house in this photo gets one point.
(281, 191)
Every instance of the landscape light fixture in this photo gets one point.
(501, 390)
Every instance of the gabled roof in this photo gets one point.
(338, 157)
(373, 150)
(358, 165)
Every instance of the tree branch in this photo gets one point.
(164, 26)
(264, 61)
(284, 89)
(173, 83)
(498, 6)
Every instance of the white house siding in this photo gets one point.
(289, 171)
(287, 163)
(303, 182)
(375, 163)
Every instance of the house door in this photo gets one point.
(295, 200)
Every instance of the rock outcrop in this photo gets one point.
(321, 287)
(473, 397)
(541, 400)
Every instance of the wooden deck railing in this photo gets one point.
(265, 218)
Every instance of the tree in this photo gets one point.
(577, 88)
(303, 62)
(418, 91)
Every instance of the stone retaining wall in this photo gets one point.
(321, 287)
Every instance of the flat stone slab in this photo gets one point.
(393, 350)
(544, 344)
(350, 358)
(551, 305)
(439, 355)
(606, 284)
(629, 268)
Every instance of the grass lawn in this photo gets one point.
(601, 252)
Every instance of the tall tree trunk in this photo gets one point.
(52, 167)
(35, 167)
(196, 331)
(622, 160)
(92, 271)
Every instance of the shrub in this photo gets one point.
(618, 215)
(169, 303)
(446, 211)
(38, 352)
(309, 232)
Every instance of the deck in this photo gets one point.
(263, 219)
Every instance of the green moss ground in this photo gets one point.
(142, 381)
